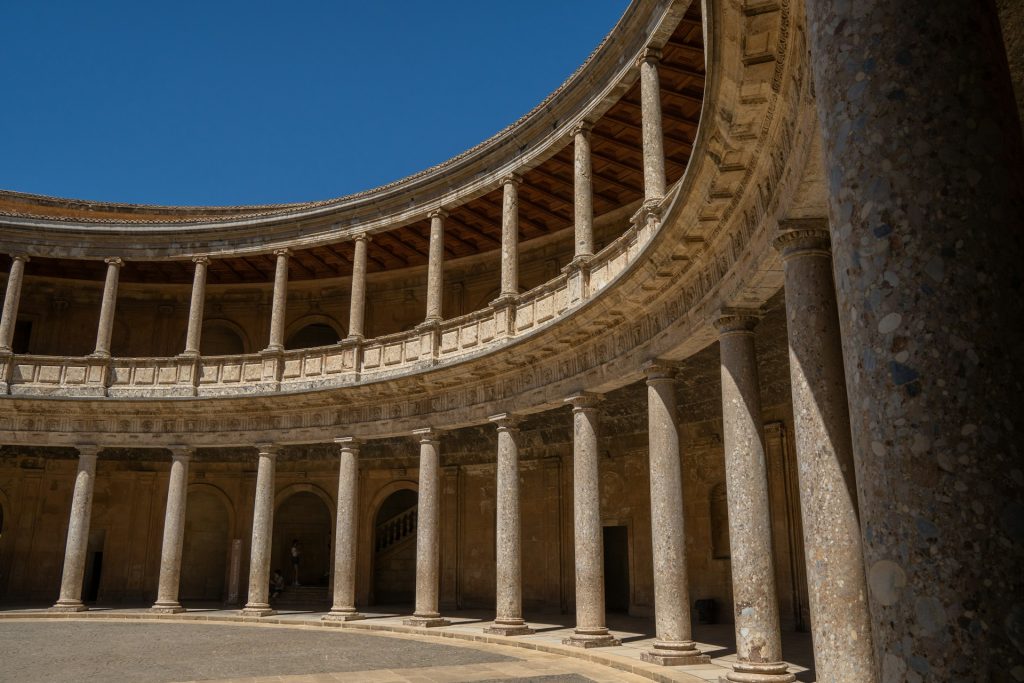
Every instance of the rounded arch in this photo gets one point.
(313, 330)
(209, 526)
(304, 513)
(223, 337)
(391, 579)
(290, 490)
(220, 494)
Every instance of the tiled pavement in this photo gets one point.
(539, 657)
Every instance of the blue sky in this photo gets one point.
(230, 102)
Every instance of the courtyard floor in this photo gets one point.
(215, 644)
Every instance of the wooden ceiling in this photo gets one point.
(545, 196)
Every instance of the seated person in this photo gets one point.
(276, 583)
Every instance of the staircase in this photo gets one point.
(303, 598)
(393, 531)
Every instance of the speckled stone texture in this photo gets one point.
(755, 602)
(174, 533)
(12, 297)
(583, 192)
(105, 326)
(70, 599)
(357, 302)
(346, 532)
(280, 301)
(193, 334)
(926, 185)
(262, 534)
(435, 266)
(428, 547)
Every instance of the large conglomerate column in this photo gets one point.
(756, 604)
(357, 303)
(344, 606)
(591, 630)
(510, 236)
(583, 192)
(174, 533)
(435, 266)
(653, 142)
(925, 161)
(12, 297)
(428, 537)
(508, 619)
(258, 604)
(195, 309)
(105, 328)
(673, 642)
(278, 306)
(78, 533)
(828, 498)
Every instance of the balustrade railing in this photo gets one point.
(393, 531)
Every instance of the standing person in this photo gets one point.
(296, 554)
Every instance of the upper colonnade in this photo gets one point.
(699, 240)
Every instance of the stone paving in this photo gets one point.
(295, 647)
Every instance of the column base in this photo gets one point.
(508, 627)
(589, 638)
(675, 653)
(426, 621)
(167, 608)
(69, 606)
(258, 610)
(342, 615)
(751, 672)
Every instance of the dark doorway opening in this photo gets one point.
(22, 336)
(93, 565)
(394, 549)
(616, 569)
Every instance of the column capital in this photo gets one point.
(88, 450)
(581, 128)
(24, 258)
(114, 261)
(181, 451)
(427, 434)
(269, 449)
(284, 251)
(649, 55)
(660, 371)
(803, 236)
(583, 400)
(511, 179)
(737, 320)
(362, 237)
(438, 213)
(348, 443)
(205, 260)
(506, 421)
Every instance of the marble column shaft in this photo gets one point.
(12, 298)
(357, 305)
(105, 328)
(278, 309)
(673, 643)
(262, 534)
(510, 236)
(653, 142)
(174, 532)
(77, 544)
(195, 309)
(583, 192)
(346, 530)
(428, 537)
(836, 585)
(435, 266)
(591, 630)
(756, 603)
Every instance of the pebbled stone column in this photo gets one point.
(357, 305)
(508, 619)
(346, 526)
(583, 192)
(756, 603)
(174, 533)
(510, 237)
(926, 192)
(12, 298)
(280, 301)
(435, 266)
(653, 142)
(78, 533)
(262, 535)
(428, 540)
(105, 328)
(589, 539)
(195, 309)
(673, 642)
(837, 591)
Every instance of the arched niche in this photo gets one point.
(209, 523)
(392, 557)
(303, 512)
(221, 337)
(312, 331)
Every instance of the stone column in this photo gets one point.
(923, 145)
(508, 619)
(357, 304)
(837, 592)
(650, 103)
(262, 535)
(673, 643)
(346, 529)
(589, 544)
(78, 533)
(428, 541)
(174, 533)
(280, 301)
(105, 329)
(756, 604)
(195, 310)
(435, 266)
(583, 193)
(12, 297)
(510, 237)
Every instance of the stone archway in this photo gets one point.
(394, 547)
(303, 514)
(207, 544)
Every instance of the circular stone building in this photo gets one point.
(726, 321)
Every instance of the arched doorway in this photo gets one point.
(313, 335)
(204, 555)
(304, 517)
(394, 549)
